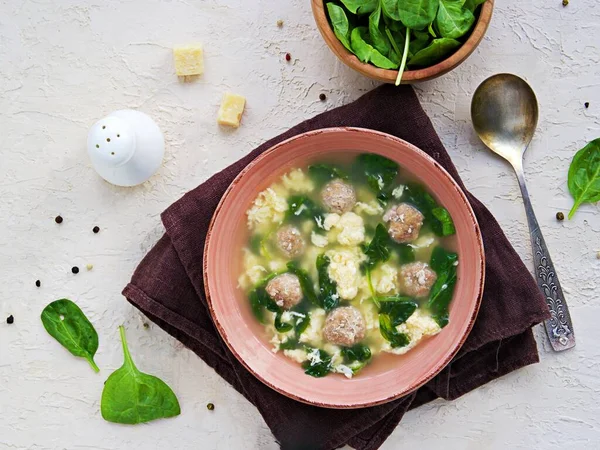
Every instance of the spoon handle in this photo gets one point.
(559, 327)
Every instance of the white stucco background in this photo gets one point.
(66, 63)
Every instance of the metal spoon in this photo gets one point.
(504, 111)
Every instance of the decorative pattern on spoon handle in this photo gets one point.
(559, 327)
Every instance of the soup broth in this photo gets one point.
(347, 260)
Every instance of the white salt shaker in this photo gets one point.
(126, 147)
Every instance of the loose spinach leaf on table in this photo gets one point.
(444, 263)
(454, 20)
(320, 174)
(366, 52)
(358, 352)
(317, 369)
(417, 14)
(437, 50)
(66, 323)
(584, 176)
(378, 172)
(130, 396)
(360, 6)
(306, 283)
(435, 215)
(328, 296)
(389, 332)
(340, 24)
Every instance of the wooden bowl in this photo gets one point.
(409, 76)
(388, 376)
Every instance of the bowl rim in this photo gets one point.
(409, 76)
(440, 365)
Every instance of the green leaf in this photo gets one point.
(358, 352)
(66, 323)
(366, 52)
(378, 172)
(444, 264)
(130, 396)
(444, 225)
(282, 327)
(301, 207)
(340, 24)
(360, 6)
(302, 324)
(328, 297)
(421, 39)
(435, 52)
(389, 332)
(320, 174)
(378, 249)
(584, 176)
(399, 309)
(391, 9)
(472, 5)
(257, 306)
(453, 19)
(306, 283)
(319, 369)
(379, 40)
(417, 14)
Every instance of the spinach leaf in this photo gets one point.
(454, 20)
(130, 396)
(360, 6)
(377, 250)
(444, 264)
(317, 366)
(421, 39)
(359, 352)
(255, 244)
(66, 323)
(399, 309)
(389, 332)
(290, 344)
(302, 324)
(259, 300)
(366, 52)
(584, 175)
(472, 5)
(406, 254)
(391, 15)
(308, 288)
(322, 173)
(282, 327)
(340, 24)
(301, 207)
(417, 14)
(434, 52)
(257, 306)
(328, 297)
(435, 215)
(378, 38)
(378, 172)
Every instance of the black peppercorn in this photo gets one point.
(75, 269)
(58, 219)
(10, 319)
(586, 104)
(210, 406)
(96, 229)
(560, 216)
(322, 97)
(38, 283)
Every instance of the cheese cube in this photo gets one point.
(230, 112)
(189, 60)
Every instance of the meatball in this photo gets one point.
(344, 326)
(290, 241)
(285, 290)
(405, 222)
(416, 279)
(338, 196)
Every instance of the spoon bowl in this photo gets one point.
(505, 114)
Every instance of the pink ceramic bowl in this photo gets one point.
(388, 376)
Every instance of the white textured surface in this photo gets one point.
(66, 63)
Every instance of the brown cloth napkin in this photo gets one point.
(168, 288)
